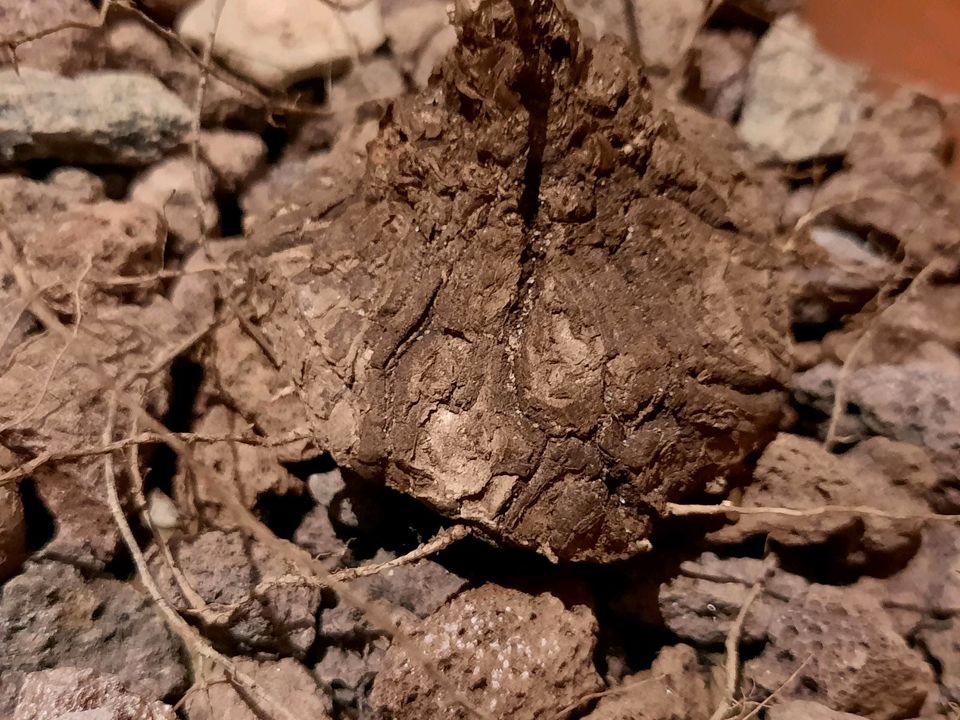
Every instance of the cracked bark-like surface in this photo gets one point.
(548, 308)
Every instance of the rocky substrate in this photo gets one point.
(459, 363)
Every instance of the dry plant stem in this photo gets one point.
(191, 638)
(732, 647)
(443, 539)
(145, 438)
(684, 510)
(123, 280)
(196, 602)
(576, 704)
(786, 683)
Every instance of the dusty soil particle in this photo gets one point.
(51, 616)
(547, 310)
(512, 654)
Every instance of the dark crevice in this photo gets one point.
(40, 523)
(535, 88)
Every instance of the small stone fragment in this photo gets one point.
(665, 28)
(420, 34)
(846, 654)
(62, 692)
(675, 686)
(513, 655)
(285, 681)
(317, 536)
(929, 585)
(907, 122)
(131, 45)
(172, 187)
(226, 568)
(701, 603)
(50, 616)
(81, 184)
(65, 52)
(13, 532)
(255, 470)
(837, 275)
(800, 103)
(120, 118)
(915, 402)
(278, 44)
(235, 157)
(797, 472)
(718, 75)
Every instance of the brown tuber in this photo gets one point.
(550, 306)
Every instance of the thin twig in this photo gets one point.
(725, 508)
(144, 438)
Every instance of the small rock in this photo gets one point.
(324, 486)
(929, 585)
(838, 275)
(287, 41)
(421, 587)
(718, 77)
(676, 686)
(81, 184)
(120, 118)
(255, 470)
(257, 388)
(171, 187)
(701, 603)
(511, 654)
(61, 692)
(797, 472)
(235, 157)
(318, 537)
(846, 654)
(65, 52)
(340, 667)
(420, 35)
(800, 103)
(665, 28)
(50, 616)
(908, 201)
(806, 710)
(226, 568)
(917, 403)
(195, 293)
(133, 46)
(941, 640)
(285, 682)
(908, 122)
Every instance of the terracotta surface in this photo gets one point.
(903, 41)
(912, 40)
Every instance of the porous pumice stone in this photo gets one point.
(548, 308)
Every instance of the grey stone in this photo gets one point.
(800, 102)
(50, 616)
(806, 710)
(102, 117)
(701, 603)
